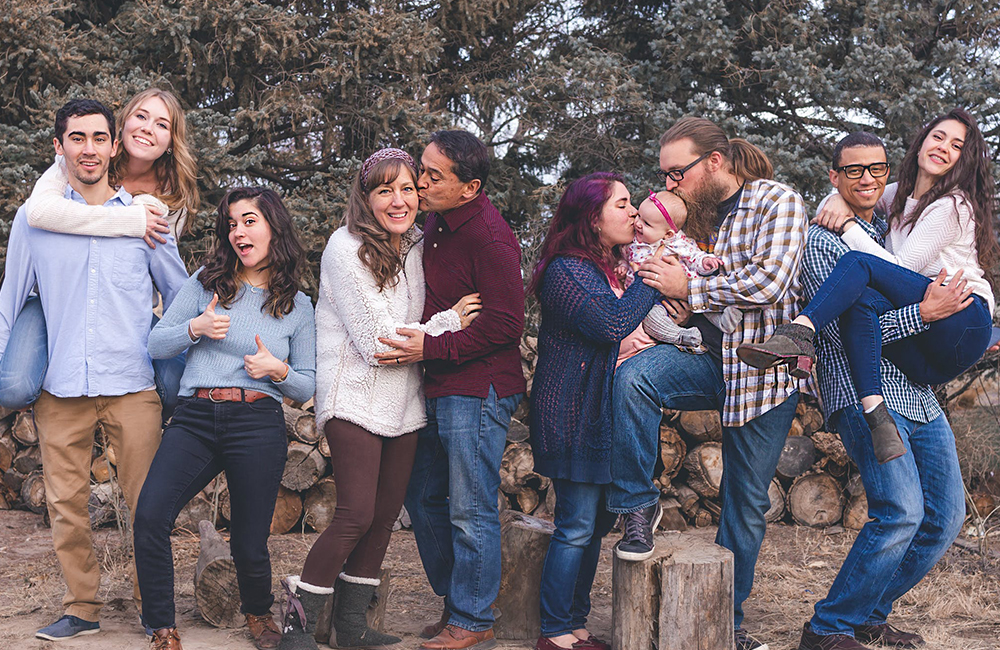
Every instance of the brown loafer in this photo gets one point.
(453, 637)
(165, 639)
(887, 635)
(265, 632)
(434, 629)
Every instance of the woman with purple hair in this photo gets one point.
(589, 325)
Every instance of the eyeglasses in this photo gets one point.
(663, 210)
(877, 170)
(677, 175)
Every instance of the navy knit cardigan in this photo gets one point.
(583, 324)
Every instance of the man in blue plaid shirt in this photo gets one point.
(915, 502)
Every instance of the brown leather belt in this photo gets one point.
(229, 394)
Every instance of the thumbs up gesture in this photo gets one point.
(264, 364)
(209, 323)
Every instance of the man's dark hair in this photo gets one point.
(857, 139)
(467, 153)
(80, 108)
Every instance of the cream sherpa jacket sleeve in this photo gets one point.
(49, 209)
(364, 310)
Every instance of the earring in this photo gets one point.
(170, 151)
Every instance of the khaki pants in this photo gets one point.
(66, 428)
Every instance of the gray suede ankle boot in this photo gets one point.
(350, 613)
(305, 603)
(886, 440)
(791, 343)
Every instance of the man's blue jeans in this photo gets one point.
(917, 506)
(25, 359)
(452, 501)
(582, 521)
(665, 377)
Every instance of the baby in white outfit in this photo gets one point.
(659, 222)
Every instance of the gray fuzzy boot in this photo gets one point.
(305, 603)
(350, 613)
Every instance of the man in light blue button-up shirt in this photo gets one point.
(94, 292)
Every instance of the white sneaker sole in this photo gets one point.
(40, 635)
(638, 557)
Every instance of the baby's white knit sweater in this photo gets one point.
(943, 237)
(351, 315)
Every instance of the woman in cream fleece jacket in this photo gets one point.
(371, 283)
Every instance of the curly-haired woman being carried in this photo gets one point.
(371, 283)
(240, 317)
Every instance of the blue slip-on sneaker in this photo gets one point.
(67, 627)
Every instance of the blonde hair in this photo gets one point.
(176, 170)
(746, 161)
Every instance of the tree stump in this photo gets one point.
(703, 426)
(287, 511)
(320, 504)
(816, 500)
(28, 459)
(829, 445)
(810, 417)
(215, 589)
(856, 512)
(301, 425)
(679, 599)
(797, 456)
(704, 466)
(305, 466)
(524, 541)
(24, 430)
(375, 614)
(33, 492)
(777, 496)
(672, 451)
(323, 446)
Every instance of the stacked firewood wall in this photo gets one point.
(815, 483)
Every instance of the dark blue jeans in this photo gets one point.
(917, 506)
(452, 501)
(26, 358)
(664, 377)
(247, 441)
(582, 521)
(862, 286)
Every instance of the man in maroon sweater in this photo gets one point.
(473, 383)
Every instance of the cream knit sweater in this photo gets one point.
(943, 237)
(351, 315)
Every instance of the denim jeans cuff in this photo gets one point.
(466, 624)
(559, 631)
(625, 511)
(819, 628)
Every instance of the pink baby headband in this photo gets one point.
(663, 210)
(384, 154)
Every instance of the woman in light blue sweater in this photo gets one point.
(251, 340)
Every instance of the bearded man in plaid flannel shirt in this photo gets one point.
(915, 502)
(761, 227)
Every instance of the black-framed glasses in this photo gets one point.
(877, 170)
(677, 175)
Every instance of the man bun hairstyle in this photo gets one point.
(857, 139)
(468, 155)
(746, 161)
(80, 108)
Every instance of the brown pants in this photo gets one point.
(371, 473)
(66, 428)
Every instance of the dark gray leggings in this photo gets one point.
(371, 473)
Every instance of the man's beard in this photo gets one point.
(703, 208)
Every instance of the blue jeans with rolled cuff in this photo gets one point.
(664, 377)
(247, 441)
(582, 521)
(452, 501)
(916, 504)
(863, 286)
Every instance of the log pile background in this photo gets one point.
(815, 483)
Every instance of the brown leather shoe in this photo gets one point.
(887, 635)
(166, 639)
(453, 637)
(264, 631)
(434, 629)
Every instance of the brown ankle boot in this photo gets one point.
(434, 629)
(166, 639)
(264, 631)
(886, 441)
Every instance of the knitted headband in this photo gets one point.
(384, 154)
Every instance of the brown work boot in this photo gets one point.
(453, 637)
(165, 639)
(264, 631)
(434, 629)
(887, 635)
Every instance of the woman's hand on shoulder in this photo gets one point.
(834, 215)
(468, 308)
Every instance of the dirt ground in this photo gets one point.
(957, 607)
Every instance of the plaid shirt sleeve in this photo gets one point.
(774, 237)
